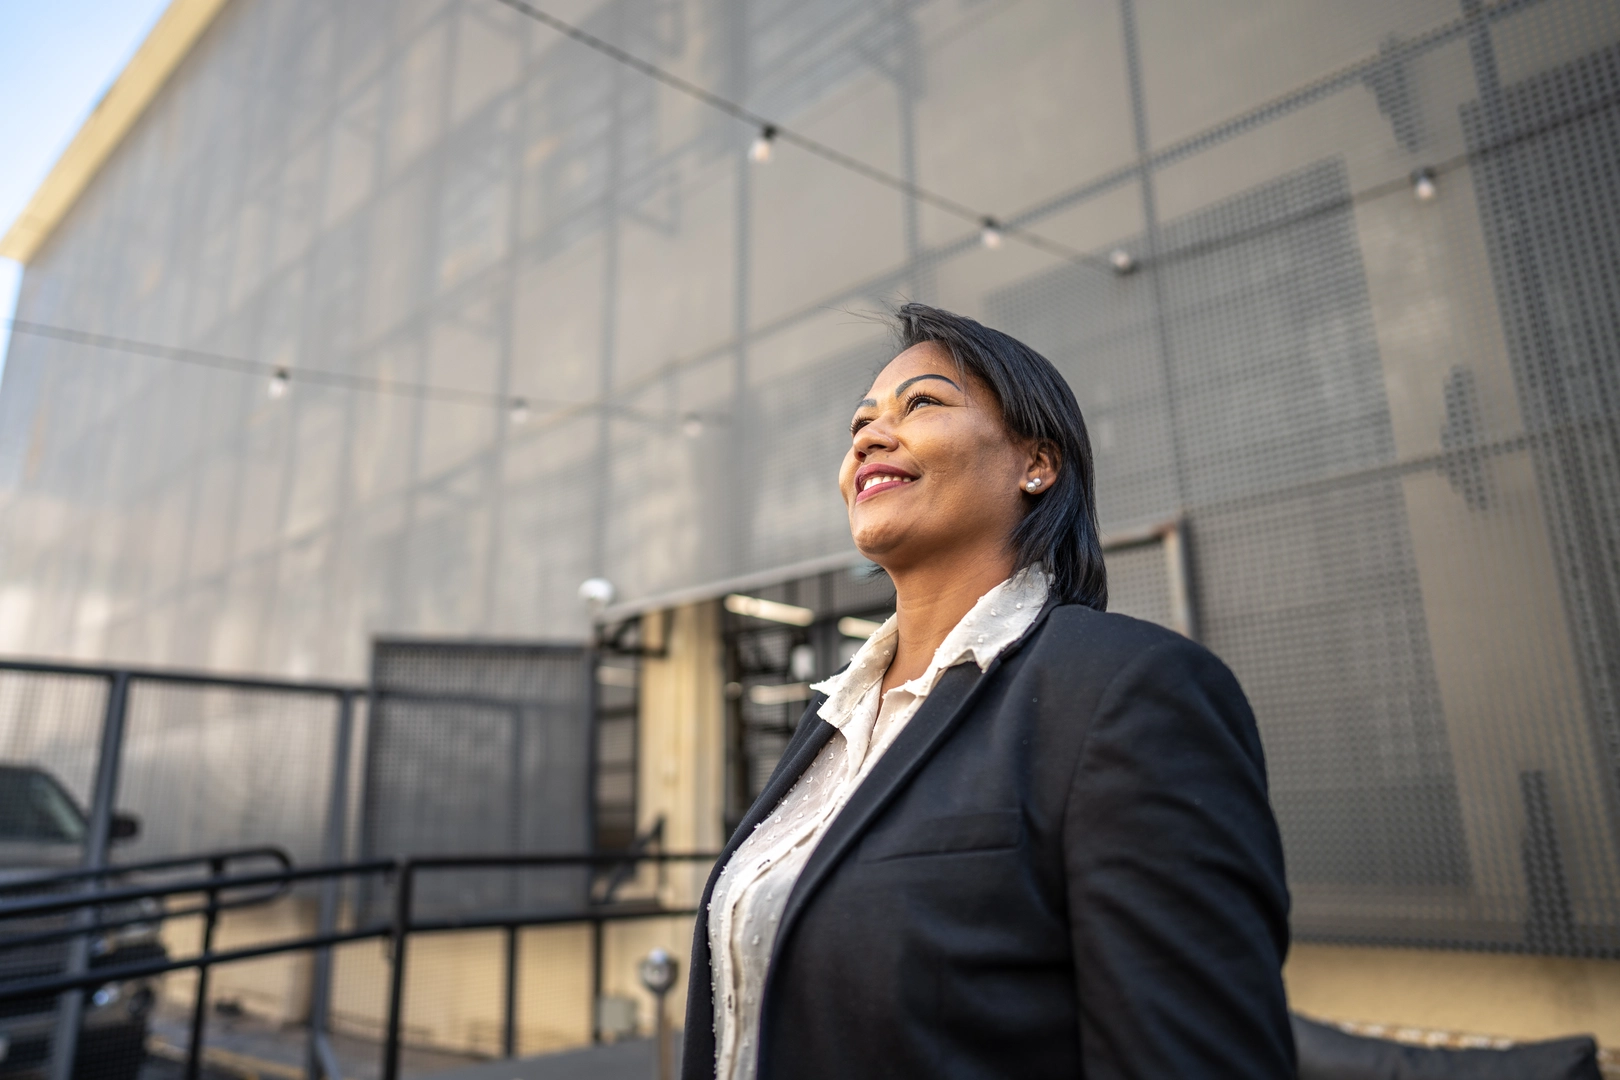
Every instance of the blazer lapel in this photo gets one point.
(812, 734)
(940, 712)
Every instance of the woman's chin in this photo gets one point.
(878, 540)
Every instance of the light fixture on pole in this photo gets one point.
(760, 152)
(278, 384)
(519, 411)
(692, 425)
(1121, 261)
(596, 592)
(990, 235)
(657, 973)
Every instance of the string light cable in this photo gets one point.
(280, 378)
(1423, 184)
(771, 132)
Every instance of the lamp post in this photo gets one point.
(658, 975)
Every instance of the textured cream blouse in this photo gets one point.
(752, 891)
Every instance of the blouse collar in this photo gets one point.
(998, 619)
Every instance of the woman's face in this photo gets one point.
(931, 470)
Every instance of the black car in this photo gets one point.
(42, 834)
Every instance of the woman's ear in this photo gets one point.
(1042, 469)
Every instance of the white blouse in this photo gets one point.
(752, 891)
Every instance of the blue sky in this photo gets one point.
(57, 57)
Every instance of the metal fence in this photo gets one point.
(451, 747)
(92, 905)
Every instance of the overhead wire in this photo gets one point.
(280, 375)
(770, 130)
(241, 365)
(562, 409)
(517, 404)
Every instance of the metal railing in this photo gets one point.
(265, 886)
(62, 717)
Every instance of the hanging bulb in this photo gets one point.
(760, 152)
(519, 411)
(278, 384)
(692, 426)
(1121, 261)
(1423, 185)
(990, 235)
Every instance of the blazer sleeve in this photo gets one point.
(1178, 907)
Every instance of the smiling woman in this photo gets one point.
(1016, 836)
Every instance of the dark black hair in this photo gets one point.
(1060, 531)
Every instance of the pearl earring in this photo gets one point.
(1033, 484)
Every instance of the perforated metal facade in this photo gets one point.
(481, 749)
(1386, 422)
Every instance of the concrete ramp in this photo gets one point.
(632, 1059)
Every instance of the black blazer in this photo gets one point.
(1064, 867)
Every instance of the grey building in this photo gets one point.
(1335, 285)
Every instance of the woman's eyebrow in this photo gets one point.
(867, 403)
(918, 378)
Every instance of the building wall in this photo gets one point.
(1525, 998)
(1386, 424)
(445, 193)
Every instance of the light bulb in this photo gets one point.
(1121, 261)
(596, 592)
(990, 235)
(760, 152)
(278, 384)
(519, 411)
(1423, 185)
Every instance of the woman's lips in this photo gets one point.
(876, 485)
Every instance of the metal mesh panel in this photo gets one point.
(1362, 347)
(1139, 583)
(481, 749)
(53, 722)
(208, 768)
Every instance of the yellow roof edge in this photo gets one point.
(176, 30)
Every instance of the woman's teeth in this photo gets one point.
(885, 478)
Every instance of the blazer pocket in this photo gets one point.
(987, 830)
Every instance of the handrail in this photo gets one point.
(52, 905)
(56, 984)
(404, 925)
(171, 675)
(395, 867)
(398, 929)
(625, 871)
(267, 851)
(102, 924)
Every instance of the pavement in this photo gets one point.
(633, 1059)
(245, 1048)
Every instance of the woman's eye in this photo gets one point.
(920, 399)
(860, 422)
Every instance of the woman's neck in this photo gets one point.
(930, 600)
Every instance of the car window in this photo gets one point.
(33, 807)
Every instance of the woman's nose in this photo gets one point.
(872, 437)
